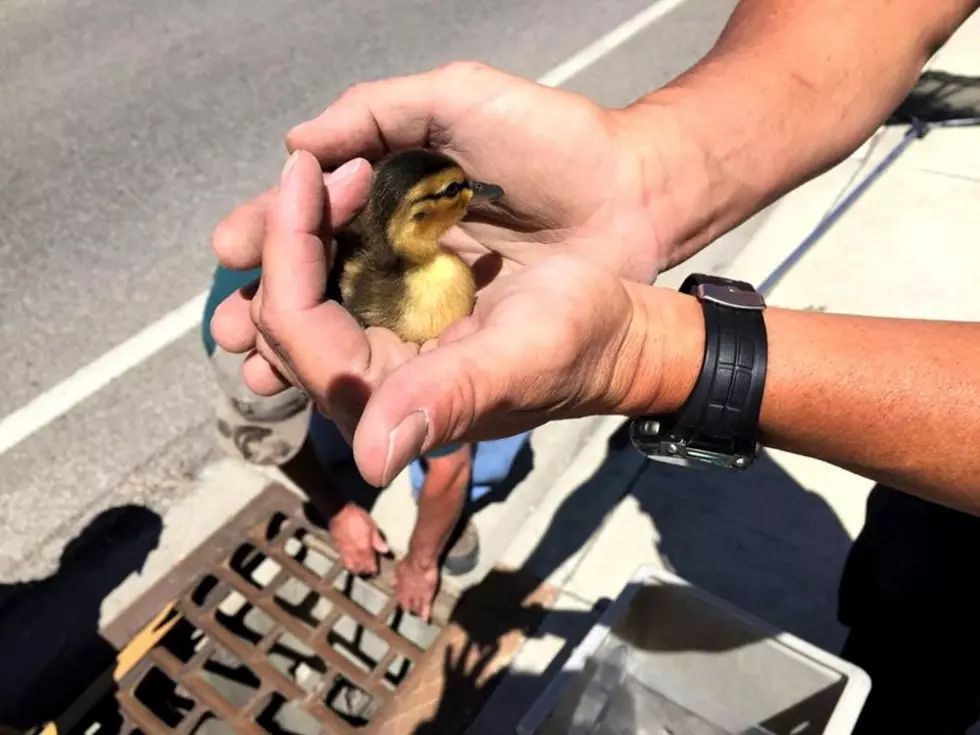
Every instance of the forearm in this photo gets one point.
(441, 502)
(790, 89)
(895, 400)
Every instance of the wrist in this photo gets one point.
(344, 510)
(422, 562)
(668, 337)
(683, 188)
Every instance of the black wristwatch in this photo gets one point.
(719, 424)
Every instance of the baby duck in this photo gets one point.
(390, 270)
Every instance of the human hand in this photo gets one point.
(558, 339)
(602, 183)
(358, 539)
(415, 585)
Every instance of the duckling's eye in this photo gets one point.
(418, 216)
(453, 189)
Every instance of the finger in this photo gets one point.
(378, 542)
(238, 238)
(231, 324)
(376, 118)
(295, 258)
(284, 377)
(294, 282)
(320, 343)
(405, 601)
(372, 119)
(426, 611)
(359, 563)
(265, 349)
(261, 377)
(350, 562)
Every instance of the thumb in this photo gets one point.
(440, 397)
(378, 542)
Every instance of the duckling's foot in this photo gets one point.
(465, 553)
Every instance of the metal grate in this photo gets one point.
(267, 634)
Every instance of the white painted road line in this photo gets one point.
(608, 43)
(88, 380)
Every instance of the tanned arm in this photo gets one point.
(794, 87)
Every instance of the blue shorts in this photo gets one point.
(492, 460)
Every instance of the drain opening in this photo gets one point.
(235, 681)
(352, 703)
(253, 566)
(297, 599)
(166, 699)
(412, 628)
(364, 594)
(310, 552)
(279, 716)
(210, 724)
(297, 661)
(396, 673)
(362, 647)
(184, 640)
(243, 620)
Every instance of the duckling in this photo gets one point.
(390, 270)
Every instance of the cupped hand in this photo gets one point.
(557, 339)
(357, 538)
(578, 177)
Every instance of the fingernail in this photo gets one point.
(345, 172)
(288, 167)
(405, 444)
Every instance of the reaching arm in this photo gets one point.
(790, 88)
(441, 502)
(895, 400)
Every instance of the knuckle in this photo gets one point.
(224, 238)
(462, 407)
(354, 93)
(270, 323)
(463, 68)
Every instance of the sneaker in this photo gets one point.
(465, 552)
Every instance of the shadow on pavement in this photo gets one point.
(49, 629)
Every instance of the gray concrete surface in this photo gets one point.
(128, 131)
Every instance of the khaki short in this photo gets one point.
(264, 430)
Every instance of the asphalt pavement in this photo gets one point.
(128, 130)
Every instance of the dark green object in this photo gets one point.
(225, 283)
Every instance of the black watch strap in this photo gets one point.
(721, 416)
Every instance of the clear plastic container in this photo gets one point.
(668, 659)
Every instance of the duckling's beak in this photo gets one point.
(485, 192)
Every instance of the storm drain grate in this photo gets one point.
(268, 635)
